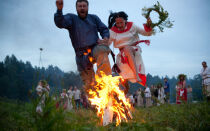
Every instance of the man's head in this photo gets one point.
(70, 88)
(204, 64)
(82, 8)
(165, 79)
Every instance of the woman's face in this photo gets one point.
(120, 23)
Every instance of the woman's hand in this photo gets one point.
(149, 22)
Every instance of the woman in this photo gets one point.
(43, 92)
(147, 95)
(181, 90)
(161, 94)
(70, 95)
(124, 36)
(139, 98)
(64, 99)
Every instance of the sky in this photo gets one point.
(27, 25)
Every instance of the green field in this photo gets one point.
(16, 115)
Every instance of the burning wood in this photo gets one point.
(110, 100)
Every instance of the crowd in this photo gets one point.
(68, 100)
(74, 98)
(158, 94)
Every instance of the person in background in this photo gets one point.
(131, 99)
(77, 96)
(70, 95)
(140, 98)
(189, 94)
(42, 90)
(166, 90)
(64, 99)
(84, 100)
(153, 98)
(161, 94)
(147, 95)
(181, 89)
(205, 74)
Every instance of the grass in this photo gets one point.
(21, 116)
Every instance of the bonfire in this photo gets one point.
(110, 100)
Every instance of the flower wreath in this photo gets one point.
(163, 17)
(182, 75)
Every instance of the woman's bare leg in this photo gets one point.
(129, 53)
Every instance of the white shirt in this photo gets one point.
(205, 74)
(131, 99)
(70, 94)
(126, 38)
(77, 94)
(161, 93)
(147, 92)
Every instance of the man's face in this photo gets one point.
(82, 9)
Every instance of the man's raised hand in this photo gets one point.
(59, 4)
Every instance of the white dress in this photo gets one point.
(205, 74)
(161, 95)
(139, 99)
(128, 37)
(42, 92)
(70, 95)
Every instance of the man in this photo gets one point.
(166, 90)
(83, 30)
(77, 96)
(205, 74)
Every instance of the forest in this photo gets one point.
(18, 79)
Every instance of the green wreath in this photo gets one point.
(163, 17)
(182, 75)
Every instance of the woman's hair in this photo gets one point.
(113, 16)
(182, 77)
(159, 85)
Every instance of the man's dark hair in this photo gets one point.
(82, 1)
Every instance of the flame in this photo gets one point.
(88, 51)
(90, 59)
(106, 89)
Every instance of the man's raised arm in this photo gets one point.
(61, 21)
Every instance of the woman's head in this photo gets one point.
(64, 90)
(181, 77)
(159, 85)
(118, 19)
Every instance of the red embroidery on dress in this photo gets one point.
(129, 25)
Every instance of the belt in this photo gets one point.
(85, 48)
